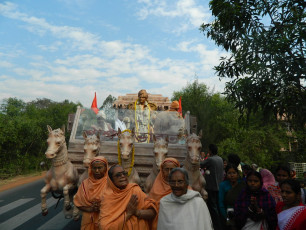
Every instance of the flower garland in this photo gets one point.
(133, 154)
(136, 123)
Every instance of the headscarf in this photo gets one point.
(267, 178)
(161, 187)
(90, 191)
(114, 203)
(269, 184)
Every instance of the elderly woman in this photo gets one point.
(124, 205)
(291, 212)
(183, 208)
(161, 185)
(88, 196)
(255, 207)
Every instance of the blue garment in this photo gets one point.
(223, 189)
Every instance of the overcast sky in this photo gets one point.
(69, 49)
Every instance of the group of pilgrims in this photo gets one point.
(108, 201)
(237, 198)
(246, 200)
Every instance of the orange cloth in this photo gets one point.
(90, 190)
(114, 203)
(161, 187)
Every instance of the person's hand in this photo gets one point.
(96, 206)
(254, 206)
(131, 207)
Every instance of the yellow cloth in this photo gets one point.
(90, 190)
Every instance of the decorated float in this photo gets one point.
(148, 120)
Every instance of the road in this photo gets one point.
(20, 209)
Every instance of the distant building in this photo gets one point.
(163, 103)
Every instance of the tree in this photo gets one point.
(220, 124)
(215, 116)
(24, 131)
(266, 64)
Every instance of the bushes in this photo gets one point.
(24, 132)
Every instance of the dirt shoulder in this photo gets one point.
(20, 180)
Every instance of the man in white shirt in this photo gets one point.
(183, 208)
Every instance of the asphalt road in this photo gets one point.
(20, 209)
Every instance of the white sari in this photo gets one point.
(252, 225)
(287, 217)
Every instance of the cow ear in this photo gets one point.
(84, 135)
(200, 134)
(49, 129)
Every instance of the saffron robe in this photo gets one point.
(90, 191)
(113, 207)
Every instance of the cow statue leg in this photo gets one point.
(76, 213)
(66, 188)
(43, 193)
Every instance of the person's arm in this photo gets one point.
(240, 214)
(205, 164)
(222, 190)
(86, 209)
(255, 212)
(147, 214)
(94, 208)
(131, 207)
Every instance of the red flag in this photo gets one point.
(180, 110)
(94, 106)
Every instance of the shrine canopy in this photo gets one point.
(106, 122)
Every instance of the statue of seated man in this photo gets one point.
(143, 115)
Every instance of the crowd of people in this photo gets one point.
(250, 197)
(239, 197)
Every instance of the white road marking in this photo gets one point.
(54, 222)
(21, 218)
(14, 204)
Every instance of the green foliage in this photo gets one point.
(266, 63)
(24, 132)
(254, 141)
(215, 116)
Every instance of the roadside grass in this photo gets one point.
(13, 179)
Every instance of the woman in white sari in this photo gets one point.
(291, 213)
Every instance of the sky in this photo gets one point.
(70, 49)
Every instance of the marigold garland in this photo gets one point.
(133, 154)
